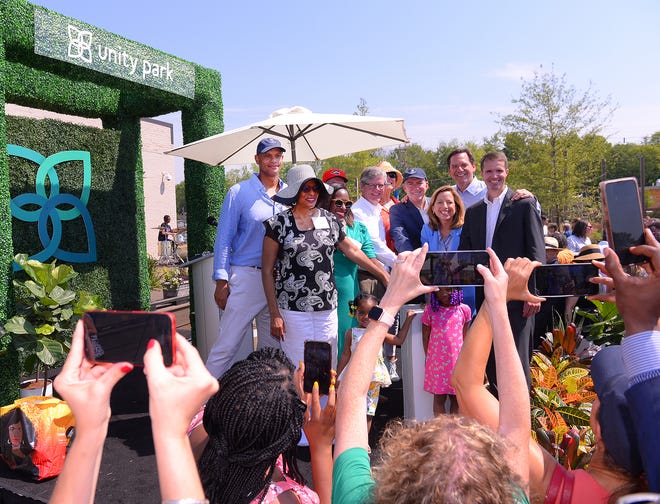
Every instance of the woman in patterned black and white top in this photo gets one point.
(303, 298)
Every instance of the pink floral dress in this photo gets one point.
(445, 342)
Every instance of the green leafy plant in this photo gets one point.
(602, 324)
(155, 273)
(46, 313)
(171, 278)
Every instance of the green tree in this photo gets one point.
(654, 139)
(553, 140)
(235, 176)
(624, 161)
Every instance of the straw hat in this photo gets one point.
(297, 177)
(589, 253)
(551, 243)
(388, 168)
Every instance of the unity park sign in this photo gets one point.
(78, 43)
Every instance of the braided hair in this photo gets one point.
(254, 417)
(455, 298)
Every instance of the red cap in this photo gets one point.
(334, 172)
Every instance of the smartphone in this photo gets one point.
(622, 210)
(564, 280)
(452, 269)
(318, 363)
(118, 336)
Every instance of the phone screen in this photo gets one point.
(564, 280)
(118, 336)
(623, 217)
(318, 364)
(450, 269)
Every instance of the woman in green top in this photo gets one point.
(345, 269)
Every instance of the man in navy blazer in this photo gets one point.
(638, 300)
(512, 229)
(408, 218)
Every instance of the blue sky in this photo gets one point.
(445, 67)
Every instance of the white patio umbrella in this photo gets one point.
(306, 136)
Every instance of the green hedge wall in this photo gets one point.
(9, 366)
(112, 203)
(117, 200)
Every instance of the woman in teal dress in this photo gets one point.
(345, 269)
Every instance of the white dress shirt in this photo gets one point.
(369, 215)
(492, 211)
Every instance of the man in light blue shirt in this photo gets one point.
(237, 258)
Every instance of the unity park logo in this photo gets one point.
(56, 208)
(80, 47)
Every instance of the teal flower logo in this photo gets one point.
(48, 204)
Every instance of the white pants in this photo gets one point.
(301, 326)
(246, 302)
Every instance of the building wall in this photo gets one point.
(159, 193)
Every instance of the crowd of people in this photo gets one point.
(308, 263)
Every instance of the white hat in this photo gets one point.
(297, 177)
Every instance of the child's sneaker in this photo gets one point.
(391, 368)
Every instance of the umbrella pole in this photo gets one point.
(293, 151)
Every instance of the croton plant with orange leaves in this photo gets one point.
(561, 395)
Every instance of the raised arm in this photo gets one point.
(514, 420)
(319, 428)
(86, 388)
(468, 377)
(175, 395)
(351, 424)
(401, 336)
(357, 256)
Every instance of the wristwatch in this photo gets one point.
(380, 315)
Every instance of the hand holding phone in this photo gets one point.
(623, 223)
(118, 336)
(565, 280)
(454, 269)
(318, 366)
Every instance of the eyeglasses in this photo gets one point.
(309, 188)
(375, 186)
(341, 203)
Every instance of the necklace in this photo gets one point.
(445, 242)
(304, 222)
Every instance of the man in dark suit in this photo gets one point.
(407, 219)
(511, 229)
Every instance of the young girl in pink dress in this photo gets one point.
(444, 324)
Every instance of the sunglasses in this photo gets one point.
(309, 188)
(341, 203)
(391, 175)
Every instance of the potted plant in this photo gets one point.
(46, 313)
(170, 281)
